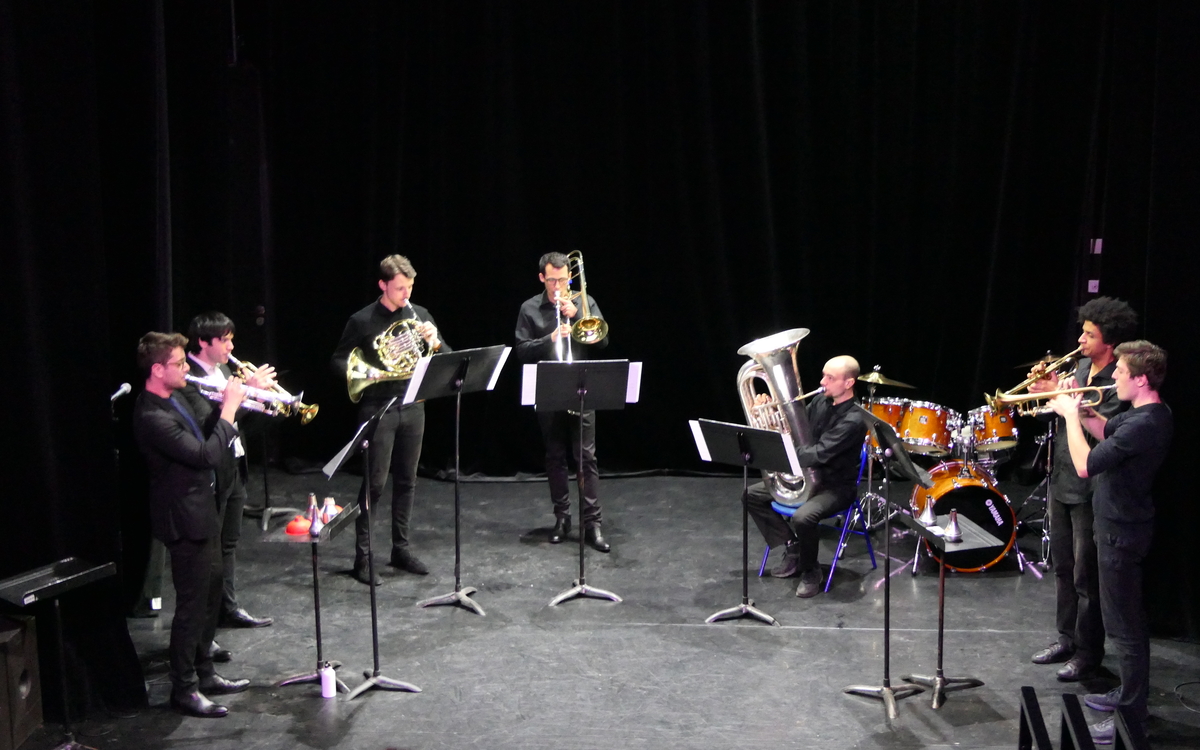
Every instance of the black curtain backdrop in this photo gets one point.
(916, 182)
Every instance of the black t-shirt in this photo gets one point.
(1125, 461)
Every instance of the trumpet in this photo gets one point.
(265, 402)
(1026, 403)
(306, 411)
(1052, 368)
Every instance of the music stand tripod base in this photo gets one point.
(381, 682)
(459, 597)
(582, 589)
(742, 610)
(887, 694)
(306, 677)
(942, 685)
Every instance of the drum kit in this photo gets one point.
(968, 450)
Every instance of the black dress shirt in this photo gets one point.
(535, 324)
(838, 431)
(361, 330)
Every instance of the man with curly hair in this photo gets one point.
(1106, 323)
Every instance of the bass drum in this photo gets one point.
(975, 496)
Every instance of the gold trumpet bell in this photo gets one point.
(361, 375)
(589, 330)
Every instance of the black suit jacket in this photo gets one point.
(183, 501)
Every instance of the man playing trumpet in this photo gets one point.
(1132, 446)
(837, 439)
(1106, 323)
(210, 344)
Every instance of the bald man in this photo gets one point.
(837, 439)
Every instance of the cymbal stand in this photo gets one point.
(1046, 488)
(872, 503)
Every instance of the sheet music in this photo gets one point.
(633, 389)
(499, 367)
(701, 445)
(529, 385)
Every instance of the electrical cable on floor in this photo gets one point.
(1179, 695)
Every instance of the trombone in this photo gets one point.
(1026, 403)
(293, 404)
(588, 329)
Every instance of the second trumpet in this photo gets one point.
(1027, 403)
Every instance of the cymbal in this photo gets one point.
(1045, 359)
(876, 378)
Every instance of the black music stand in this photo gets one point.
(893, 452)
(748, 447)
(362, 441)
(973, 537)
(50, 582)
(453, 374)
(324, 536)
(587, 385)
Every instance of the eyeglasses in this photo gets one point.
(559, 282)
(177, 363)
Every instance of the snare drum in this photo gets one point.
(928, 428)
(889, 410)
(994, 431)
(974, 495)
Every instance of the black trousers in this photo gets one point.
(1121, 549)
(196, 575)
(802, 526)
(231, 533)
(395, 449)
(1076, 580)
(560, 433)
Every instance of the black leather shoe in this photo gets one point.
(240, 618)
(810, 584)
(790, 564)
(405, 560)
(562, 527)
(362, 574)
(195, 704)
(1074, 670)
(215, 684)
(596, 539)
(216, 653)
(1053, 654)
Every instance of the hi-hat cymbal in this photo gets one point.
(1045, 359)
(878, 379)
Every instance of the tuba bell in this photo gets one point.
(773, 360)
(399, 348)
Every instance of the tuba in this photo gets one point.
(399, 348)
(773, 360)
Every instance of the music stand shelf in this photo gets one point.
(331, 530)
(50, 582)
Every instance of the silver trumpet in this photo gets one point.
(266, 402)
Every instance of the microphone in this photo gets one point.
(123, 390)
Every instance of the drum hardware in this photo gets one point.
(874, 505)
(967, 488)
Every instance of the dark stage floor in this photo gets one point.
(647, 672)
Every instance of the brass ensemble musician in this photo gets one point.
(1132, 446)
(184, 514)
(838, 432)
(210, 344)
(543, 332)
(1105, 322)
(396, 447)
